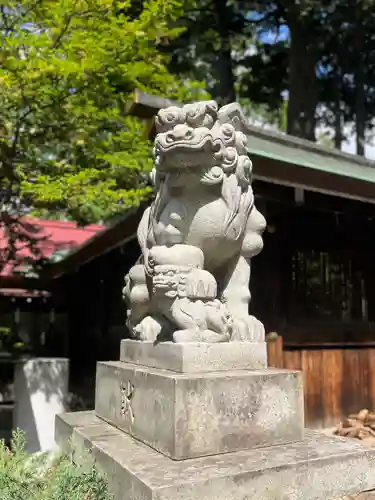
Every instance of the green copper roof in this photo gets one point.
(288, 149)
(280, 147)
(295, 161)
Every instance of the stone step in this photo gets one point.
(362, 496)
(317, 468)
(196, 414)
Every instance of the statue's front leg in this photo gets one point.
(236, 296)
(142, 321)
(136, 295)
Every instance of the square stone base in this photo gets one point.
(195, 357)
(188, 415)
(318, 468)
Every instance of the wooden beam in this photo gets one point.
(146, 106)
(293, 175)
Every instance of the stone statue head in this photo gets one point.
(201, 158)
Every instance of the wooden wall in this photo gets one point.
(338, 380)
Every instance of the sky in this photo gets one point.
(349, 147)
(272, 37)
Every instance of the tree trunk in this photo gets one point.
(338, 111)
(226, 92)
(303, 91)
(338, 128)
(360, 105)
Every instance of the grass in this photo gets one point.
(45, 476)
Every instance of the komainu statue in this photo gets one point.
(191, 283)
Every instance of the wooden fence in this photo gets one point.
(339, 379)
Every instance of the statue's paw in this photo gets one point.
(148, 329)
(247, 329)
(188, 335)
(195, 335)
(212, 337)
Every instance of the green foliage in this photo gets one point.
(40, 477)
(11, 342)
(67, 70)
(325, 139)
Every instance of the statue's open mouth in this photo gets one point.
(163, 284)
(188, 153)
(206, 144)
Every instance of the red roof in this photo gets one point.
(23, 292)
(54, 236)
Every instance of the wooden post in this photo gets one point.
(275, 350)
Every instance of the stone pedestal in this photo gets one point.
(171, 422)
(40, 393)
(192, 415)
(195, 358)
(189, 414)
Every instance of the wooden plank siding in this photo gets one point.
(275, 353)
(338, 380)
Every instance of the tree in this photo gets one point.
(217, 33)
(329, 60)
(67, 69)
(346, 84)
(231, 56)
(263, 79)
(296, 59)
(326, 61)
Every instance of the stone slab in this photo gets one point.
(317, 468)
(192, 415)
(195, 357)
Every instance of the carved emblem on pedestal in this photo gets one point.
(127, 393)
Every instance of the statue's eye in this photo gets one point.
(227, 131)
